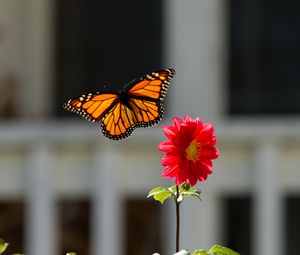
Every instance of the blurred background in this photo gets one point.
(65, 187)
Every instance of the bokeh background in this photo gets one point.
(64, 187)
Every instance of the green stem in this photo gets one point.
(177, 219)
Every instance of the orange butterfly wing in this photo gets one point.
(153, 86)
(119, 122)
(144, 107)
(92, 106)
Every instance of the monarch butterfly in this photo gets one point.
(137, 104)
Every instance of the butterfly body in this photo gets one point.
(137, 104)
(124, 98)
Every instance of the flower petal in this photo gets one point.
(166, 146)
(168, 159)
(209, 152)
(206, 135)
(177, 122)
(193, 179)
(200, 171)
(170, 171)
(206, 165)
(187, 118)
(169, 131)
(199, 122)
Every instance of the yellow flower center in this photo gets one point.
(192, 151)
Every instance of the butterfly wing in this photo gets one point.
(143, 107)
(92, 106)
(147, 97)
(152, 86)
(119, 122)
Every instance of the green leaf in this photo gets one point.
(186, 190)
(181, 188)
(220, 250)
(160, 194)
(157, 190)
(3, 246)
(192, 193)
(201, 252)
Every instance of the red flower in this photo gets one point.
(189, 150)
